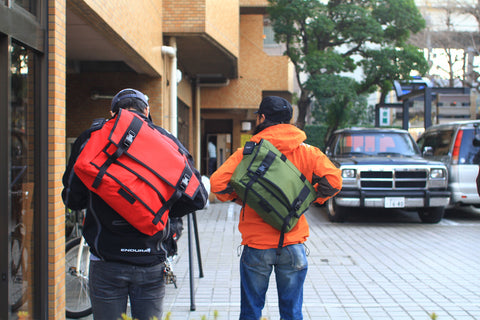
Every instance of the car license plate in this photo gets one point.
(394, 202)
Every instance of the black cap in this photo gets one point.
(128, 93)
(276, 109)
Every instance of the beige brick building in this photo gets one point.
(202, 63)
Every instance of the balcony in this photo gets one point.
(206, 35)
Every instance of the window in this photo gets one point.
(376, 144)
(29, 5)
(23, 162)
(469, 154)
(439, 141)
(22, 179)
(268, 34)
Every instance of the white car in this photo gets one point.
(457, 144)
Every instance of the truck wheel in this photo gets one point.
(335, 212)
(431, 215)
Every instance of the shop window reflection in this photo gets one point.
(22, 181)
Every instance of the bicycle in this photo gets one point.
(77, 260)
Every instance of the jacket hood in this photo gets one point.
(285, 137)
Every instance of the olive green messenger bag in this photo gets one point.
(272, 186)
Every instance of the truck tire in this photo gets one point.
(431, 215)
(335, 212)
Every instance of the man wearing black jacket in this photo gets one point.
(124, 263)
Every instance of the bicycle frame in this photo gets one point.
(79, 259)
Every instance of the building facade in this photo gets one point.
(202, 64)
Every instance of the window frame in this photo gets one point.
(20, 26)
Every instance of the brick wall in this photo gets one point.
(82, 109)
(273, 71)
(219, 19)
(56, 158)
(222, 23)
(257, 72)
(184, 16)
(184, 91)
(253, 3)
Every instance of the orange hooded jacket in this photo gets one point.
(318, 169)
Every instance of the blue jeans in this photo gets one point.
(290, 271)
(112, 283)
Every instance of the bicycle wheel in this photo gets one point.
(77, 294)
(18, 269)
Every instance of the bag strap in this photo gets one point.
(282, 232)
(179, 189)
(297, 203)
(124, 144)
(97, 124)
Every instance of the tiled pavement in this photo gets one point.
(356, 270)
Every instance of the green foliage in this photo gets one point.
(359, 114)
(316, 135)
(167, 316)
(125, 317)
(329, 41)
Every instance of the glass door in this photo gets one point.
(22, 181)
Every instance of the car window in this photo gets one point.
(375, 144)
(469, 154)
(440, 141)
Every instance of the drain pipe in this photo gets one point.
(198, 124)
(171, 52)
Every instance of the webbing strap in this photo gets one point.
(282, 232)
(293, 212)
(261, 170)
(124, 144)
(248, 148)
(179, 189)
(297, 203)
(167, 206)
(266, 163)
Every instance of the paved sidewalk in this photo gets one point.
(356, 271)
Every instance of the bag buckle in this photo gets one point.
(261, 170)
(184, 183)
(298, 204)
(129, 138)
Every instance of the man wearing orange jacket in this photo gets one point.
(260, 240)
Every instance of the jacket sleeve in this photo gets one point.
(220, 179)
(75, 194)
(327, 178)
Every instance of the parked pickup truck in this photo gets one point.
(383, 168)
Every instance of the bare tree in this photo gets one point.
(458, 47)
(472, 75)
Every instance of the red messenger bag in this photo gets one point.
(136, 170)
